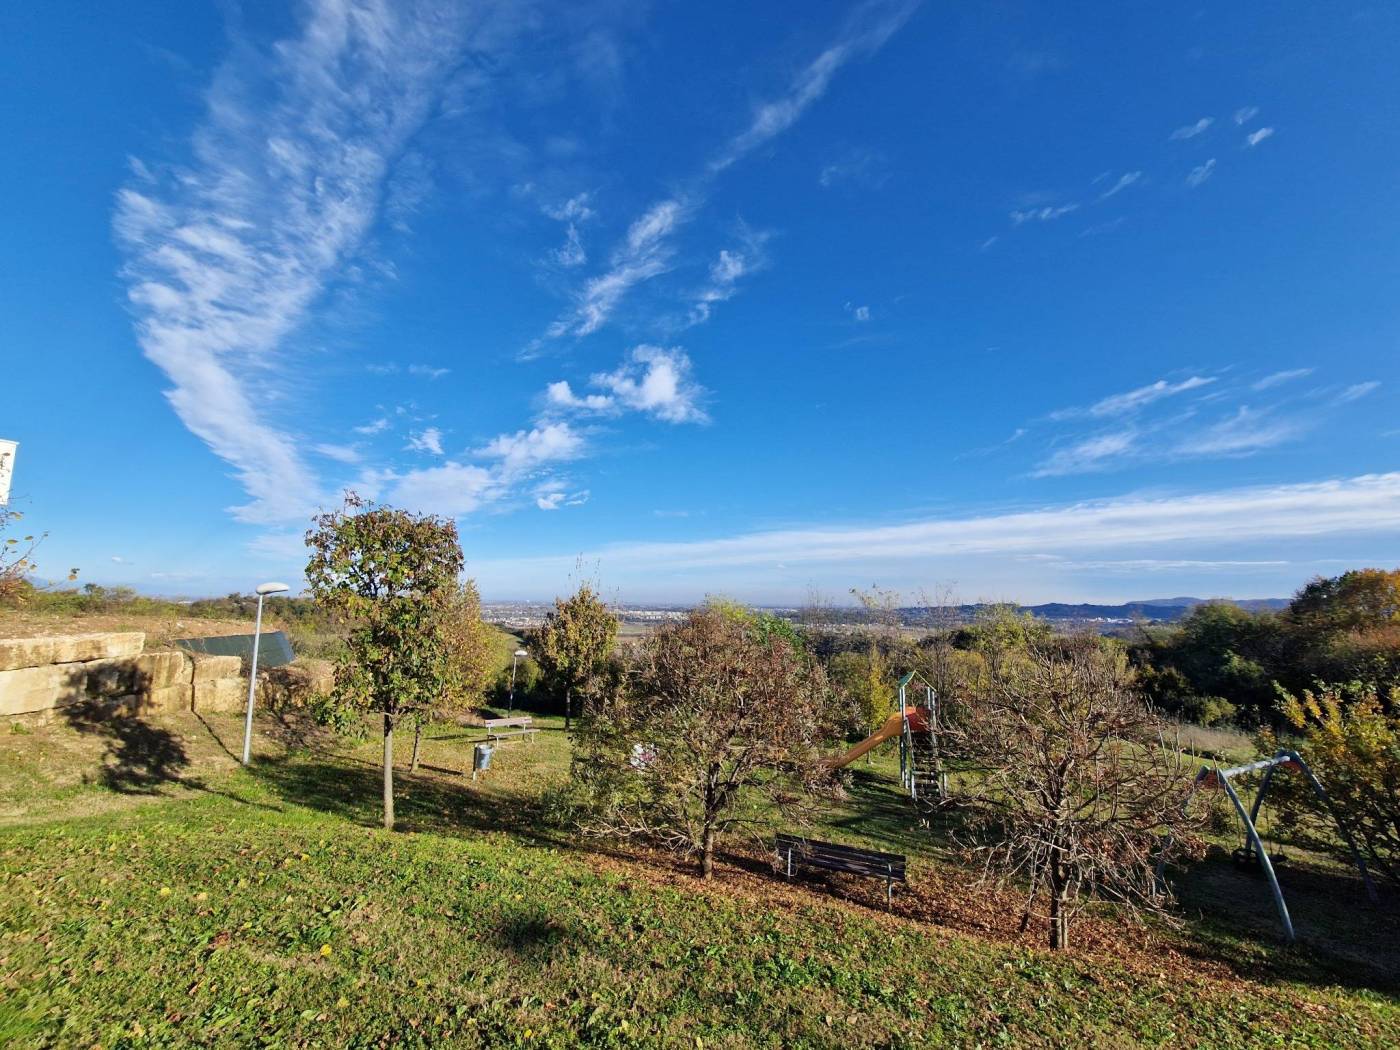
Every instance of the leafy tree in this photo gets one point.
(876, 697)
(1359, 599)
(389, 575)
(1078, 792)
(716, 725)
(573, 644)
(1220, 661)
(470, 661)
(1353, 745)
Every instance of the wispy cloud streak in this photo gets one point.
(1369, 504)
(226, 256)
(648, 250)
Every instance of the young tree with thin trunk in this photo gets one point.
(389, 575)
(573, 644)
(469, 662)
(717, 725)
(1079, 793)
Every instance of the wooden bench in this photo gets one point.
(832, 856)
(498, 729)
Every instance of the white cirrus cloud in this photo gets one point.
(1091, 454)
(1132, 400)
(867, 29)
(1190, 131)
(226, 255)
(647, 251)
(1123, 182)
(729, 267)
(1200, 173)
(339, 453)
(1247, 431)
(1245, 114)
(1255, 137)
(1363, 505)
(1276, 378)
(1357, 391)
(377, 426)
(1048, 213)
(429, 440)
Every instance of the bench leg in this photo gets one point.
(789, 868)
(889, 893)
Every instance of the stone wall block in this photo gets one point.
(16, 653)
(157, 670)
(220, 694)
(170, 699)
(209, 668)
(31, 689)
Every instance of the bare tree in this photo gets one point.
(1079, 793)
(717, 725)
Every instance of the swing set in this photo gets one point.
(1252, 852)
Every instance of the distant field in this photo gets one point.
(232, 907)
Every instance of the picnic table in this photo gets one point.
(498, 729)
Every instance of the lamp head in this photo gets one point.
(271, 588)
(521, 653)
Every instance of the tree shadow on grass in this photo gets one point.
(1342, 938)
(140, 758)
(534, 937)
(351, 789)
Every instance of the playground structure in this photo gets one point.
(917, 728)
(1253, 851)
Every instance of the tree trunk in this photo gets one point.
(417, 742)
(1059, 911)
(707, 852)
(568, 707)
(388, 771)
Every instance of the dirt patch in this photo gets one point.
(933, 899)
(160, 631)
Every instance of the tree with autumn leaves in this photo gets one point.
(573, 644)
(713, 725)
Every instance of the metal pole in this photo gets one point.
(510, 704)
(252, 685)
(1264, 861)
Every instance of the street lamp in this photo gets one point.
(263, 590)
(518, 654)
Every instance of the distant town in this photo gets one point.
(517, 616)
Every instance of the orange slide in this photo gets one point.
(893, 727)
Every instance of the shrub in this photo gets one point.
(1352, 743)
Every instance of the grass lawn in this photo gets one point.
(200, 903)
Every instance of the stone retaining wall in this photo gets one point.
(110, 673)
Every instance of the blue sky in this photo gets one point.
(1004, 301)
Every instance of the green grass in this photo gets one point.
(264, 907)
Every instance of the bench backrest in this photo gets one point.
(835, 857)
(501, 723)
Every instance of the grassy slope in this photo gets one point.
(264, 906)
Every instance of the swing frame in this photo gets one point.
(1215, 777)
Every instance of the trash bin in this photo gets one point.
(481, 758)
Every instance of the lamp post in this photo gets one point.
(518, 654)
(263, 590)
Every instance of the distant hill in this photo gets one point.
(1156, 610)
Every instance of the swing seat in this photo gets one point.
(1247, 860)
